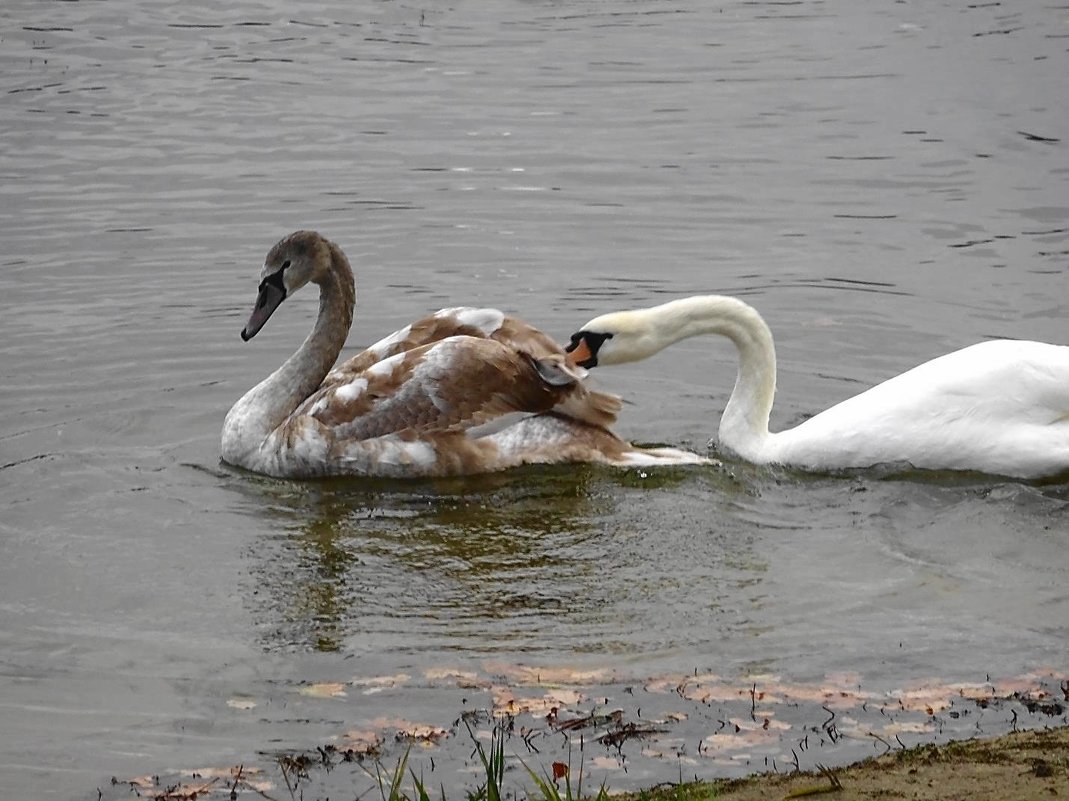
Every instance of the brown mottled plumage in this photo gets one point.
(461, 391)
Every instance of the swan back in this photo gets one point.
(1000, 407)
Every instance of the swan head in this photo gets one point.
(615, 338)
(298, 259)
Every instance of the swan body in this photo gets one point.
(461, 391)
(999, 407)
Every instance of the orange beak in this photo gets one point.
(579, 354)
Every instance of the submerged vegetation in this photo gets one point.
(1020, 766)
(561, 734)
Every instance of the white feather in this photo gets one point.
(348, 392)
(486, 320)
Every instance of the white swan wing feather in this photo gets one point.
(1000, 406)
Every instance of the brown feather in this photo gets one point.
(453, 385)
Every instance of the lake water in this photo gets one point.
(885, 182)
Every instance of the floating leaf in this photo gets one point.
(360, 742)
(375, 684)
(414, 731)
(525, 674)
(181, 792)
(224, 773)
(742, 738)
(605, 763)
(506, 701)
(324, 690)
(463, 678)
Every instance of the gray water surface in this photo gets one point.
(885, 182)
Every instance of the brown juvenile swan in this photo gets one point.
(460, 392)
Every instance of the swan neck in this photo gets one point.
(267, 405)
(305, 370)
(744, 424)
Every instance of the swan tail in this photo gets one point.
(653, 457)
(595, 408)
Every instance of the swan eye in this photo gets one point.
(275, 280)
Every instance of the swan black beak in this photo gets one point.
(272, 293)
(584, 347)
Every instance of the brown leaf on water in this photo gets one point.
(928, 699)
(533, 706)
(201, 782)
(742, 739)
(506, 702)
(425, 734)
(204, 781)
(671, 684)
(554, 698)
(704, 692)
(181, 792)
(375, 684)
(224, 773)
(831, 694)
(906, 727)
(672, 750)
(407, 730)
(560, 770)
(763, 723)
(860, 731)
(360, 742)
(1025, 685)
(465, 679)
(525, 674)
(605, 763)
(324, 690)
(973, 691)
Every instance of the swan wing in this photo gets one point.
(595, 408)
(457, 384)
(461, 405)
(484, 323)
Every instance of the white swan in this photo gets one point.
(462, 391)
(999, 407)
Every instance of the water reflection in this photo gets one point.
(491, 562)
(348, 556)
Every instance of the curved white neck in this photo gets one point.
(266, 406)
(744, 424)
